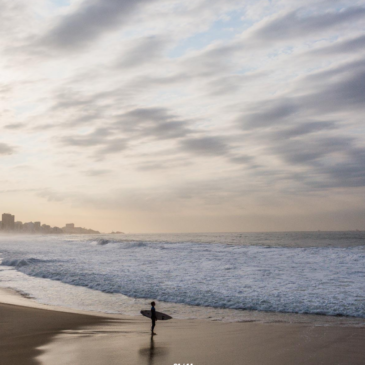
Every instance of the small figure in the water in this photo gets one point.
(153, 318)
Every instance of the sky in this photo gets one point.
(183, 116)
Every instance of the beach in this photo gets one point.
(31, 333)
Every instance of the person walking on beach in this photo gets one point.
(153, 318)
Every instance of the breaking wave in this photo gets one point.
(317, 280)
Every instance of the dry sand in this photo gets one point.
(39, 336)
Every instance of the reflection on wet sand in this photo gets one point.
(153, 352)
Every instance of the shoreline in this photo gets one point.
(183, 312)
(33, 333)
(26, 326)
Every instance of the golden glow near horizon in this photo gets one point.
(167, 116)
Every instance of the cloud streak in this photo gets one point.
(89, 22)
(5, 149)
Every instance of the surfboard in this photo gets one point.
(160, 316)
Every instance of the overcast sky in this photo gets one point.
(183, 116)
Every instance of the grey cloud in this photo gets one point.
(145, 50)
(5, 149)
(244, 160)
(292, 25)
(99, 138)
(151, 166)
(345, 94)
(270, 113)
(95, 138)
(68, 99)
(166, 130)
(348, 46)
(165, 164)
(348, 173)
(317, 154)
(15, 126)
(147, 81)
(51, 195)
(305, 128)
(157, 123)
(5, 89)
(315, 161)
(336, 74)
(340, 89)
(289, 26)
(113, 146)
(141, 115)
(205, 146)
(93, 19)
(309, 149)
(135, 125)
(96, 172)
(214, 59)
(84, 118)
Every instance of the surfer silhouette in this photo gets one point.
(153, 318)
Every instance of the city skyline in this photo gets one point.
(172, 116)
(8, 224)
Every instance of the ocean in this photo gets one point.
(222, 276)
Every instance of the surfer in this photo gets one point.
(153, 317)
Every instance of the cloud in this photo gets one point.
(352, 45)
(96, 138)
(97, 172)
(270, 113)
(205, 146)
(157, 123)
(143, 51)
(295, 25)
(90, 21)
(337, 90)
(303, 151)
(343, 90)
(15, 126)
(51, 195)
(112, 146)
(102, 142)
(245, 160)
(5, 149)
(347, 173)
(265, 36)
(301, 129)
(271, 93)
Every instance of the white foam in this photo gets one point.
(317, 280)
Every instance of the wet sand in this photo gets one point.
(41, 336)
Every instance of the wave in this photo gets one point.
(102, 242)
(18, 263)
(317, 280)
(121, 244)
(134, 245)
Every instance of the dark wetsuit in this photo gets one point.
(153, 318)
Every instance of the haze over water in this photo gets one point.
(227, 274)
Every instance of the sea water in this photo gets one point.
(230, 276)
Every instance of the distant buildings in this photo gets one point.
(8, 224)
(71, 229)
(18, 226)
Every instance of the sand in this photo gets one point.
(45, 335)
